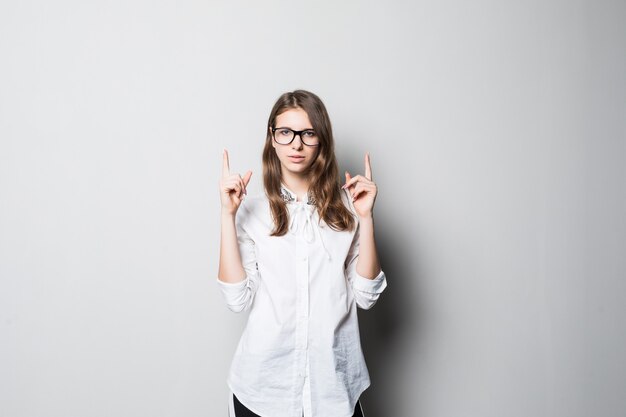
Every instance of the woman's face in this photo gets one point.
(295, 119)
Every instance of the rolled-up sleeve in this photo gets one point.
(240, 295)
(366, 291)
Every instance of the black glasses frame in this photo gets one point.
(294, 132)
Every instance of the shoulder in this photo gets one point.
(346, 198)
(254, 202)
(254, 206)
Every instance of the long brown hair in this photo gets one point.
(322, 174)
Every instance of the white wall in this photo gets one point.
(497, 138)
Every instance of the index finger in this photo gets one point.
(368, 167)
(225, 165)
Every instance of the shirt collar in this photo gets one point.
(302, 216)
(289, 196)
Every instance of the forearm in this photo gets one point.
(367, 265)
(230, 268)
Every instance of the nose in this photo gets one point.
(299, 143)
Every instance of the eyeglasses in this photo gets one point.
(284, 136)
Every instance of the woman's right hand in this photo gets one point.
(232, 187)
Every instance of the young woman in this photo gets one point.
(300, 258)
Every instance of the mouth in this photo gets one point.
(296, 158)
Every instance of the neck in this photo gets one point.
(295, 183)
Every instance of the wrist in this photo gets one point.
(368, 217)
(227, 215)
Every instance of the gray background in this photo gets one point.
(497, 138)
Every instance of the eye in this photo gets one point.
(284, 132)
(309, 133)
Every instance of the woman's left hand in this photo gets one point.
(363, 190)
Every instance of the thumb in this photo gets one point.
(348, 176)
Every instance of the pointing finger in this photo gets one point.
(225, 165)
(368, 166)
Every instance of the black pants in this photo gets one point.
(242, 411)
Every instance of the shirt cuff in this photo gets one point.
(232, 284)
(372, 286)
(232, 289)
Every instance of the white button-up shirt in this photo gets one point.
(300, 351)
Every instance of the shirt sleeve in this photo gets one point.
(366, 291)
(240, 295)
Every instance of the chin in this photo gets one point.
(299, 168)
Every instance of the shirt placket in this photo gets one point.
(302, 317)
(306, 393)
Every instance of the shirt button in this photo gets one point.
(304, 259)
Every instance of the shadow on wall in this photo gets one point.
(390, 327)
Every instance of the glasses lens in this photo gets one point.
(310, 138)
(283, 136)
